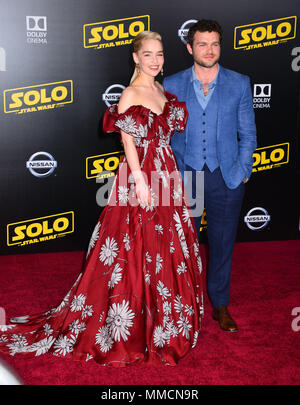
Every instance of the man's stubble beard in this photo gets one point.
(206, 65)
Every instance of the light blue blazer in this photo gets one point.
(236, 130)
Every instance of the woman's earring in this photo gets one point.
(137, 68)
(162, 71)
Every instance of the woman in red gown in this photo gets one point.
(139, 297)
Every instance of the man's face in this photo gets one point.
(206, 48)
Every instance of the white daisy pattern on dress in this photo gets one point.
(126, 241)
(159, 261)
(172, 248)
(178, 304)
(148, 257)
(78, 303)
(184, 326)
(179, 228)
(87, 311)
(172, 329)
(159, 229)
(123, 194)
(128, 124)
(109, 251)
(189, 310)
(63, 345)
(77, 327)
(104, 339)
(163, 290)
(159, 336)
(47, 329)
(119, 319)
(181, 268)
(147, 278)
(196, 334)
(42, 346)
(19, 344)
(116, 276)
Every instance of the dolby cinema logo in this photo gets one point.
(262, 95)
(112, 94)
(184, 29)
(36, 29)
(257, 219)
(41, 164)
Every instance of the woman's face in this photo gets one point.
(150, 57)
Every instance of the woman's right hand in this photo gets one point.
(142, 192)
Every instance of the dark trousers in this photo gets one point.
(222, 206)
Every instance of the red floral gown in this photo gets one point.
(139, 298)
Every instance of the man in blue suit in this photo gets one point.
(219, 139)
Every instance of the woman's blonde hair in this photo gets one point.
(137, 44)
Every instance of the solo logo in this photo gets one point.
(270, 157)
(40, 229)
(257, 218)
(108, 34)
(103, 166)
(112, 94)
(266, 33)
(38, 98)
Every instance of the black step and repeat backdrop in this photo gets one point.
(62, 62)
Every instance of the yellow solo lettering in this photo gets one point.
(38, 97)
(265, 33)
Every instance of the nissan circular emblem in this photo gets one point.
(112, 94)
(41, 164)
(184, 29)
(257, 218)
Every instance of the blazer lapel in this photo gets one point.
(184, 85)
(190, 99)
(223, 93)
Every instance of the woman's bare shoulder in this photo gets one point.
(128, 98)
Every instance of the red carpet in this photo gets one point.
(265, 351)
